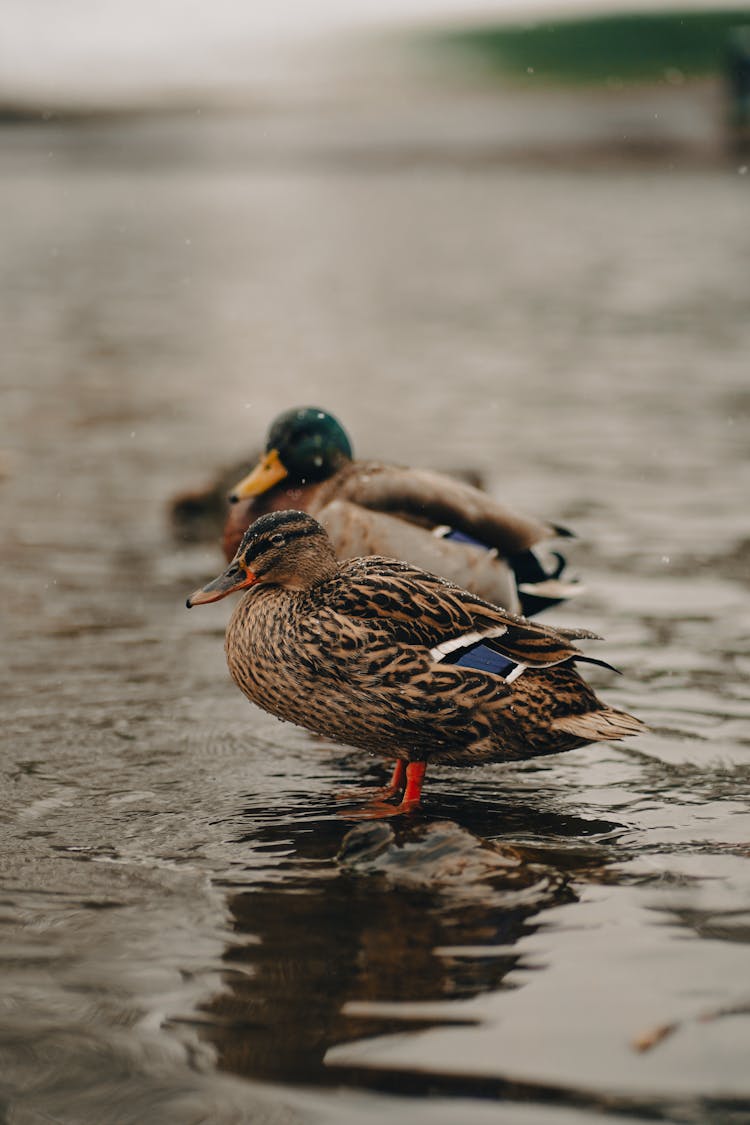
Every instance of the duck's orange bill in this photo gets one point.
(234, 578)
(268, 472)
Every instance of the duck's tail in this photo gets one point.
(603, 725)
(540, 579)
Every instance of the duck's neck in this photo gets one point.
(310, 572)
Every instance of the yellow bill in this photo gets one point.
(268, 472)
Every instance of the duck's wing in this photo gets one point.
(417, 608)
(356, 531)
(423, 495)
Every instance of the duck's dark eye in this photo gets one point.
(277, 539)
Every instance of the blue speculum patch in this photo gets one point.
(462, 537)
(525, 565)
(483, 658)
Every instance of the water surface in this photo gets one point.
(190, 931)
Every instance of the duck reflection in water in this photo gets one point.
(364, 929)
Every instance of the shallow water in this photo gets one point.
(190, 931)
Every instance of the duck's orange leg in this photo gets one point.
(415, 772)
(397, 782)
(376, 810)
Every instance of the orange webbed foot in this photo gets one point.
(385, 793)
(378, 809)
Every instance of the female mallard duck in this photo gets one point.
(427, 518)
(380, 655)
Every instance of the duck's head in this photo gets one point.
(288, 549)
(304, 445)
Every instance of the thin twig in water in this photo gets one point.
(655, 1035)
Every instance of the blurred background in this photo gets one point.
(505, 237)
(246, 207)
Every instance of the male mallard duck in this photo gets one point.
(432, 520)
(380, 655)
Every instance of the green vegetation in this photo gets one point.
(634, 47)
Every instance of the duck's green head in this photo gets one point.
(304, 445)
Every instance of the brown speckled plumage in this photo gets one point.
(350, 651)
